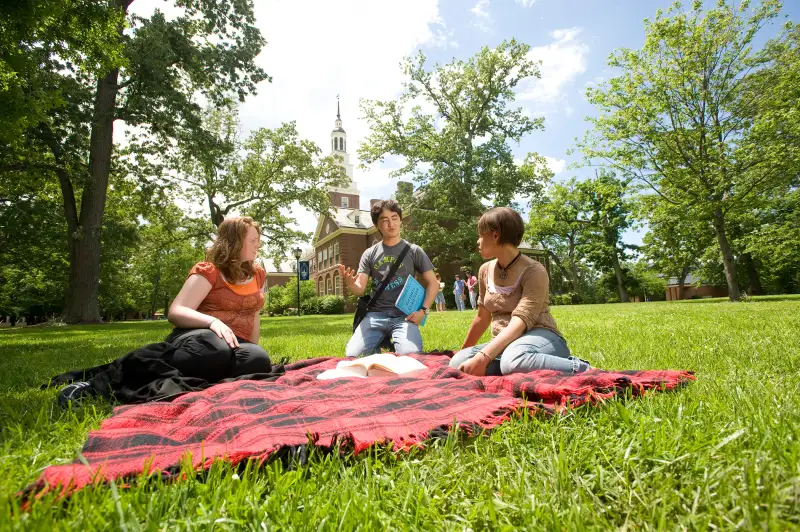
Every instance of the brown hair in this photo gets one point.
(506, 222)
(224, 252)
(384, 205)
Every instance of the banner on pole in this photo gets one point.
(304, 270)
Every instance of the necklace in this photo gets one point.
(504, 271)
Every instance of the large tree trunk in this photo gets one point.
(155, 294)
(84, 243)
(573, 265)
(558, 263)
(752, 275)
(727, 255)
(623, 293)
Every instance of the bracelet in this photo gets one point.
(488, 359)
(212, 322)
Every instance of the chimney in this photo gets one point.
(404, 187)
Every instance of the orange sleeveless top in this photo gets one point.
(234, 304)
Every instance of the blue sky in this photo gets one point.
(317, 49)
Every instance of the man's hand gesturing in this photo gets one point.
(348, 274)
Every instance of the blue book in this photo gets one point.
(411, 297)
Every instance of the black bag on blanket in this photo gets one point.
(365, 303)
(145, 374)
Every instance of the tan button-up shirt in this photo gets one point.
(529, 301)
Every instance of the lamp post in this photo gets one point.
(297, 253)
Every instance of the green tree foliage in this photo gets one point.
(607, 209)
(675, 240)
(280, 298)
(453, 127)
(261, 176)
(33, 254)
(581, 224)
(776, 242)
(699, 117)
(558, 225)
(145, 72)
(39, 39)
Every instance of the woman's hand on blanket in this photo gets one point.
(224, 332)
(475, 366)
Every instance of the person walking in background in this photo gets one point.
(472, 286)
(440, 296)
(458, 291)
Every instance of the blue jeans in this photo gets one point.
(439, 298)
(473, 298)
(459, 301)
(376, 326)
(534, 350)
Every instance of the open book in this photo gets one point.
(411, 297)
(378, 365)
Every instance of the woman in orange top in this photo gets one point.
(215, 317)
(216, 312)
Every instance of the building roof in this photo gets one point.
(690, 279)
(527, 245)
(346, 218)
(287, 265)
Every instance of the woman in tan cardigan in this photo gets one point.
(513, 298)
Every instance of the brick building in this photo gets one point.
(693, 288)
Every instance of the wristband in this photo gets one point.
(484, 354)
(212, 322)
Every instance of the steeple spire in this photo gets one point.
(338, 114)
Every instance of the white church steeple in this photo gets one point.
(339, 144)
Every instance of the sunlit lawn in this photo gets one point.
(723, 452)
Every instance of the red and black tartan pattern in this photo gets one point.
(253, 420)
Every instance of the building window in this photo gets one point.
(321, 289)
(330, 285)
(358, 218)
(344, 145)
(330, 254)
(336, 252)
(337, 284)
(345, 202)
(324, 258)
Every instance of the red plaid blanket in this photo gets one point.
(253, 420)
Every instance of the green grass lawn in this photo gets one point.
(723, 452)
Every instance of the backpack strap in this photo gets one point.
(389, 275)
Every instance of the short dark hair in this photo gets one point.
(507, 222)
(384, 205)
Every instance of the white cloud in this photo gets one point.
(482, 17)
(525, 3)
(480, 9)
(556, 165)
(563, 60)
(443, 38)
